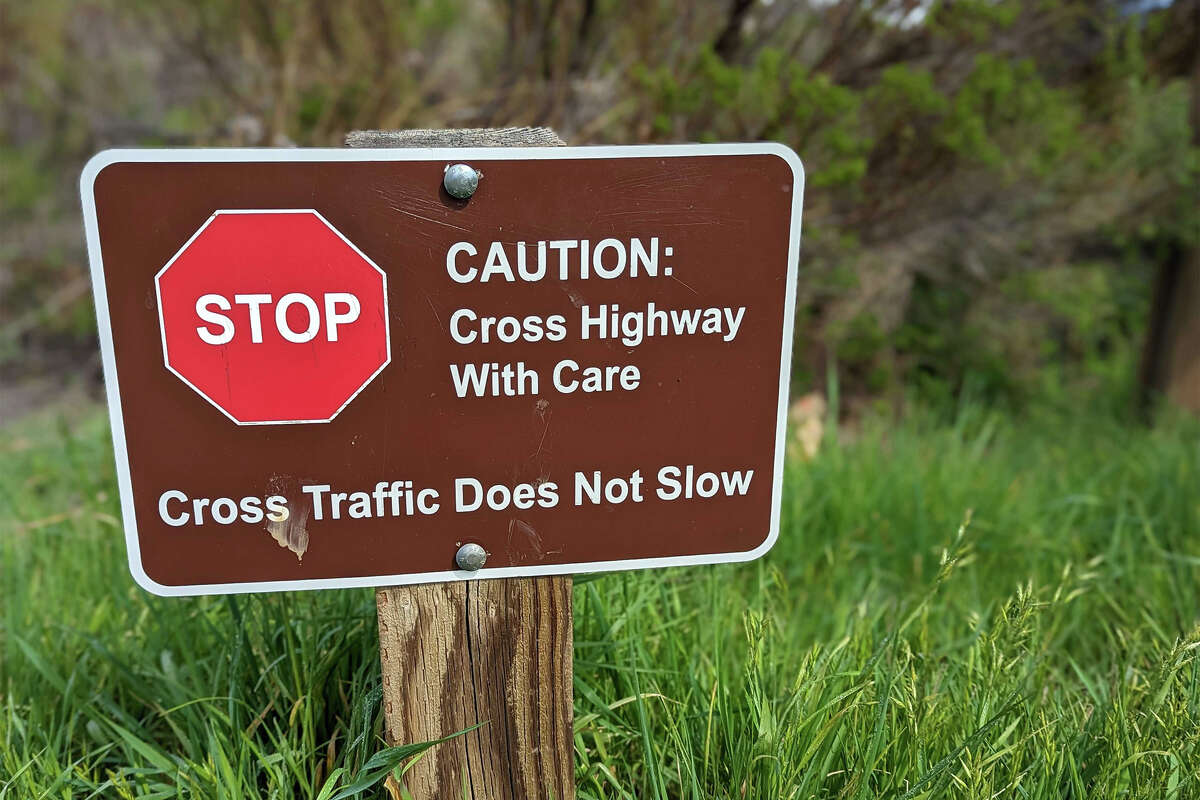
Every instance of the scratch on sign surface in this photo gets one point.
(291, 532)
(530, 533)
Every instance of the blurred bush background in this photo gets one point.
(1002, 196)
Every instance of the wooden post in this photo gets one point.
(497, 652)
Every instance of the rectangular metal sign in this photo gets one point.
(325, 370)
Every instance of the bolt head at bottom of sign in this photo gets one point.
(471, 557)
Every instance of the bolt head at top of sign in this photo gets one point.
(273, 316)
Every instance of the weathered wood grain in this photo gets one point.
(461, 137)
(496, 651)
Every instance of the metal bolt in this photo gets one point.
(461, 181)
(470, 557)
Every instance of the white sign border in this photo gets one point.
(96, 165)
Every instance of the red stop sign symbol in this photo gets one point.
(274, 317)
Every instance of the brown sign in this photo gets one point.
(323, 370)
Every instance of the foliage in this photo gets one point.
(990, 606)
(947, 154)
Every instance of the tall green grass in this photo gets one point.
(986, 607)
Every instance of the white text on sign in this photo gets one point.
(336, 309)
(400, 498)
(570, 260)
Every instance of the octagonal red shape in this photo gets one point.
(258, 315)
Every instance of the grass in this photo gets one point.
(985, 607)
